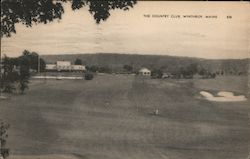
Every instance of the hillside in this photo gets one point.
(166, 63)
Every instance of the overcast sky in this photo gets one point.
(132, 32)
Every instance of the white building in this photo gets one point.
(145, 72)
(64, 66)
(51, 67)
(63, 63)
(78, 67)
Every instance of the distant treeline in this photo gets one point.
(105, 62)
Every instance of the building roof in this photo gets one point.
(144, 70)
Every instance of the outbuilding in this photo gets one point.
(51, 67)
(78, 68)
(145, 72)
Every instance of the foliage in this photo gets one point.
(101, 69)
(189, 71)
(168, 64)
(9, 80)
(3, 139)
(202, 72)
(32, 59)
(17, 70)
(78, 61)
(88, 76)
(25, 65)
(9, 76)
(128, 68)
(42, 65)
(92, 68)
(30, 12)
(104, 69)
(213, 75)
(156, 73)
(206, 73)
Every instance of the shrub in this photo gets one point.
(128, 68)
(88, 76)
(156, 73)
(213, 75)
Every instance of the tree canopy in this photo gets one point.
(78, 61)
(17, 70)
(32, 60)
(128, 68)
(30, 12)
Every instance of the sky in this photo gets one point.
(143, 30)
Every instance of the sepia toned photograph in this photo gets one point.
(124, 79)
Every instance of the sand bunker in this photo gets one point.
(223, 97)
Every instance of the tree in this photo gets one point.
(4, 152)
(30, 12)
(9, 80)
(9, 76)
(189, 71)
(128, 68)
(202, 72)
(192, 69)
(104, 69)
(78, 61)
(33, 58)
(93, 68)
(156, 73)
(24, 72)
(42, 65)
(17, 71)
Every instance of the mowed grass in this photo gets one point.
(236, 84)
(112, 117)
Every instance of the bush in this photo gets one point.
(105, 69)
(213, 75)
(88, 76)
(92, 68)
(128, 68)
(156, 73)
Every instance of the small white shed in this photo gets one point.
(145, 72)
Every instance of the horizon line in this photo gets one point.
(140, 54)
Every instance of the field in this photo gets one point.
(112, 117)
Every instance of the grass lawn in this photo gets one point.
(111, 117)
